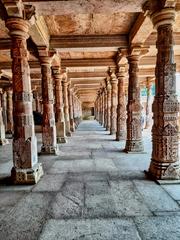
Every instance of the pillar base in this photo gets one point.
(68, 134)
(28, 175)
(72, 127)
(61, 140)
(134, 146)
(112, 132)
(49, 150)
(164, 171)
(4, 142)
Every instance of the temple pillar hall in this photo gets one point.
(26, 169)
(165, 162)
(114, 89)
(49, 141)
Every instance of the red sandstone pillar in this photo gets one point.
(4, 109)
(59, 106)
(9, 111)
(148, 104)
(109, 88)
(49, 141)
(66, 107)
(26, 167)
(134, 133)
(114, 82)
(105, 107)
(165, 162)
(37, 101)
(121, 108)
(70, 98)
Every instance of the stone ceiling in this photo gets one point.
(87, 35)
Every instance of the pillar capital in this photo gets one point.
(136, 52)
(18, 27)
(45, 55)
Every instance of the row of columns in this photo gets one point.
(165, 160)
(56, 125)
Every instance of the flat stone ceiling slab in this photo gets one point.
(90, 24)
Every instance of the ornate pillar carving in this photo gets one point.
(121, 107)
(70, 98)
(66, 107)
(148, 103)
(102, 106)
(9, 111)
(26, 169)
(114, 82)
(134, 133)
(165, 162)
(3, 139)
(109, 88)
(59, 106)
(49, 141)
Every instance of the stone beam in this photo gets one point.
(65, 7)
(141, 29)
(101, 62)
(83, 41)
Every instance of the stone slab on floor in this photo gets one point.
(173, 190)
(68, 203)
(95, 229)
(50, 183)
(128, 201)
(158, 228)
(26, 219)
(155, 196)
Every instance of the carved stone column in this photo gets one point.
(59, 106)
(26, 168)
(109, 88)
(114, 82)
(66, 107)
(134, 133)
(102, 106)
(70, 98)
(4, 109)
(105, 108)
(165, 162)
(37, 101)
(3, 139)
(49, 138)
(148, 104)
(9, 111)
(121, 107)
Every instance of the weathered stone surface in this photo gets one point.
(128, 201)
(26, 219)
(158, 228)
(111, 229)
(155, 197)
(173, 190)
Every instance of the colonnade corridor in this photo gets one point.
(91, 190)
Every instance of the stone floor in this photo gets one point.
(91, 191)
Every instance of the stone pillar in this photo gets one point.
(105, 108)
(3, 139)
(26, 169)
(121, 108)
(102, 106)
(148, 104)
(49, 141)
(66, 107)
(4, 109)
(37, 101)
(70, 98)
(165, 162)
(9, 111)
(114, 82)
(134, 133)
(109, 88)
(59, 106)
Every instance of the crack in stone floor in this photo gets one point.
(91, 191)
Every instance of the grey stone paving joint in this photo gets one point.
(92, 190)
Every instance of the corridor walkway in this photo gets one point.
(91, 191)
